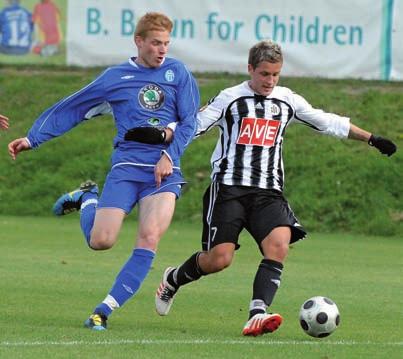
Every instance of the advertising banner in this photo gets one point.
(331, 39)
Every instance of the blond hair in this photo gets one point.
(153, 21)
(266, 50)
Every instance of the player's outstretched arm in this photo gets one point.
(384, 145)
(4, 122)
(17, 146)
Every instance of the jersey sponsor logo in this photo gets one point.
(151, 97)
(154, 121)
(169, 75)
(258, 132)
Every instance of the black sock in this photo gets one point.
(188, 272)
(267, 281)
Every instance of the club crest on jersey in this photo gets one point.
(274, 109)
(258, 132)
(151, 97)
(169, 75)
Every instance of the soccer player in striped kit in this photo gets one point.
(145, 95)
(248, 180)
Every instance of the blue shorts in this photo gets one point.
(124, 193)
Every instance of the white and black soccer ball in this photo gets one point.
(319, 317)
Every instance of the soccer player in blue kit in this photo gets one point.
(146, 95)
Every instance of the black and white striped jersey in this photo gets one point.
(252, 127)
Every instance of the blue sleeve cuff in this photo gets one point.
(167, 154)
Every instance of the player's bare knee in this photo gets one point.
(224, 261)
(277, 251)
(282, 252)
(100, 245)
(220, 261)
(102, 240)
(276, 245)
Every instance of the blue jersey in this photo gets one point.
(136, 96)
(16, 29)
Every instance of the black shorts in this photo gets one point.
(229, 209)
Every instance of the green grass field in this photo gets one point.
(332, 185)
(50, 283)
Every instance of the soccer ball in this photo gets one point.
(319, 317)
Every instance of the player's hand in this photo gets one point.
(4, 122)
(385, 146)
(162, 169)
(150, 135)
(17, 146)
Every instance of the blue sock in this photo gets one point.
(128, 281)
(87, 216)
